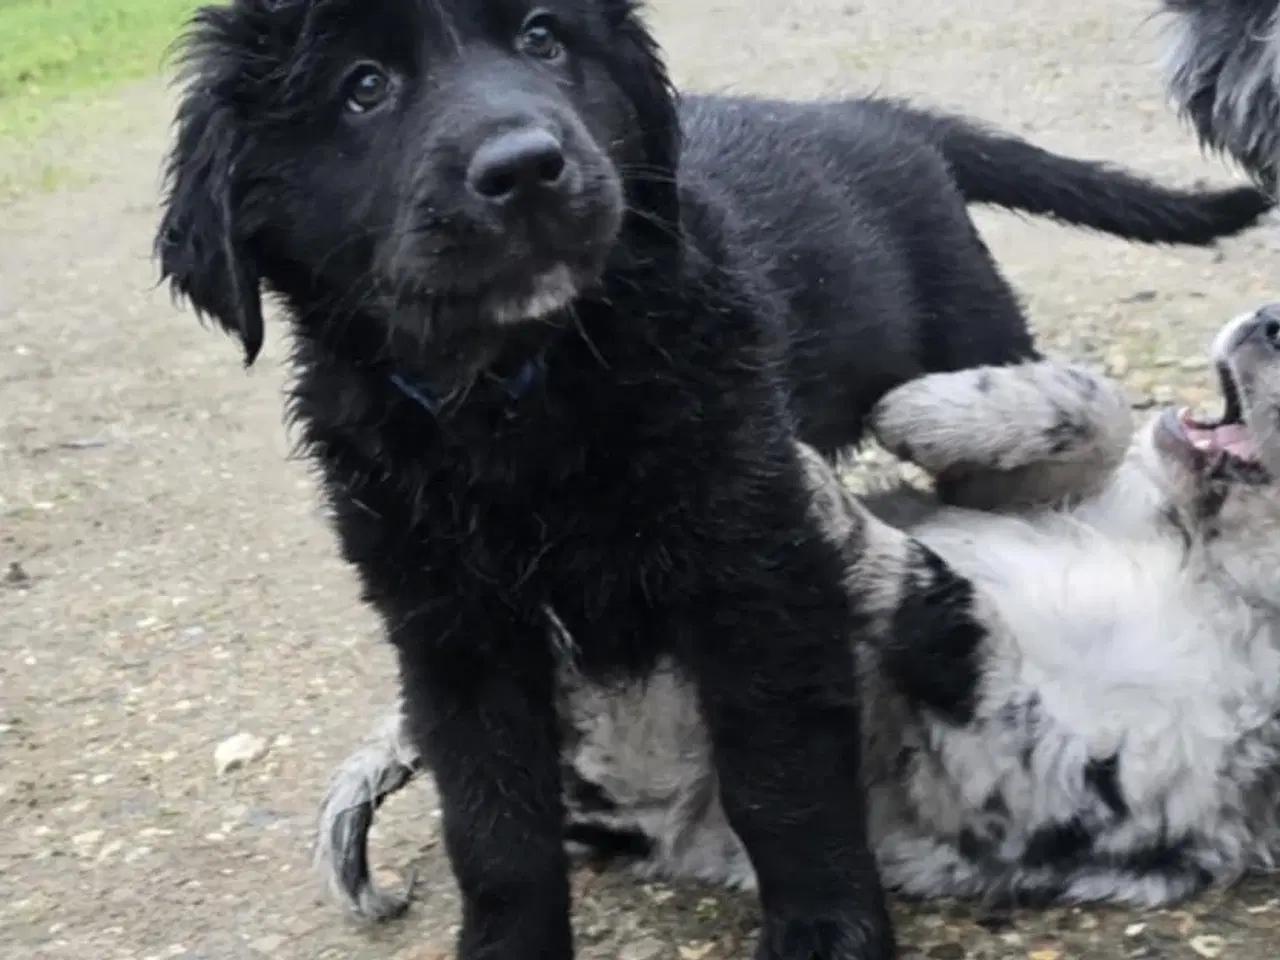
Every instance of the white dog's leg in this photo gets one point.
(1021, 435)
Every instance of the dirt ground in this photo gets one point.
(166, 581)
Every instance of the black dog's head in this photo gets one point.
(440, 169)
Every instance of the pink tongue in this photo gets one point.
(1232, 438)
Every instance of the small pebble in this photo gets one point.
(267, 945)
(1208, 945)
(87, 840)
(16, 576)
(1117, 364)
(1142, 296)
(235, 752)
(650, 948)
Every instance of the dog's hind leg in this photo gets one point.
(386, 763)
(1008, 437)
(916, 864)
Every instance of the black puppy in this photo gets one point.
(1223, 70)
(543, 361)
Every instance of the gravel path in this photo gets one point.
(166, 582)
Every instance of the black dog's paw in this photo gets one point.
(852, 935)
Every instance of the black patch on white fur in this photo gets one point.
(995, 804)
(610, 842)
(1067, 432)
(583, 795)
(934, 640)
(1086, 383)
(1103, 778)
(973, 846)
(1058, 844)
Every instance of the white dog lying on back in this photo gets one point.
(1073, 687)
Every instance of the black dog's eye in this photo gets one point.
(367, 87)
(538, 37)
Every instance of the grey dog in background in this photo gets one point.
(1223, 71)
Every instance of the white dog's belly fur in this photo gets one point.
(1111, 654)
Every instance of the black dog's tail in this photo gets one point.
(997, 168)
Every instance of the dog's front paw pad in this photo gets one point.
(851, 937)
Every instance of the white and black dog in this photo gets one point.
(1224, 75)
(1101, 723)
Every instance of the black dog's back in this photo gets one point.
(855, 222)
(853, 216)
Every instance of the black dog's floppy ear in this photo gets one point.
(199, 244)
(642, 76)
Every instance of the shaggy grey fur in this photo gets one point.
(1074, 689)
(1223, 71)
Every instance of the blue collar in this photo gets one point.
(425, 396)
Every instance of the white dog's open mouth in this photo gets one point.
(1207, 443)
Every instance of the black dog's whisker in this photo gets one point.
(586, 338)
(671, 230)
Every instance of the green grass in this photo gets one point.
(55, 51)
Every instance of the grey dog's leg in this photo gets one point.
(384, 764)
(1008, 437)
(924, 866)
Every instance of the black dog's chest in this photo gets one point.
(521, 513)
(599, 577)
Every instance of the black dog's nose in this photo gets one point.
(515, 162)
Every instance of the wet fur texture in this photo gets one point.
(1223, 71)
(1070, 666)
(554, 335)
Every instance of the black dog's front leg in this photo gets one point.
(775, 672)
(487, 726)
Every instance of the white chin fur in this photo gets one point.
(553, 291)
